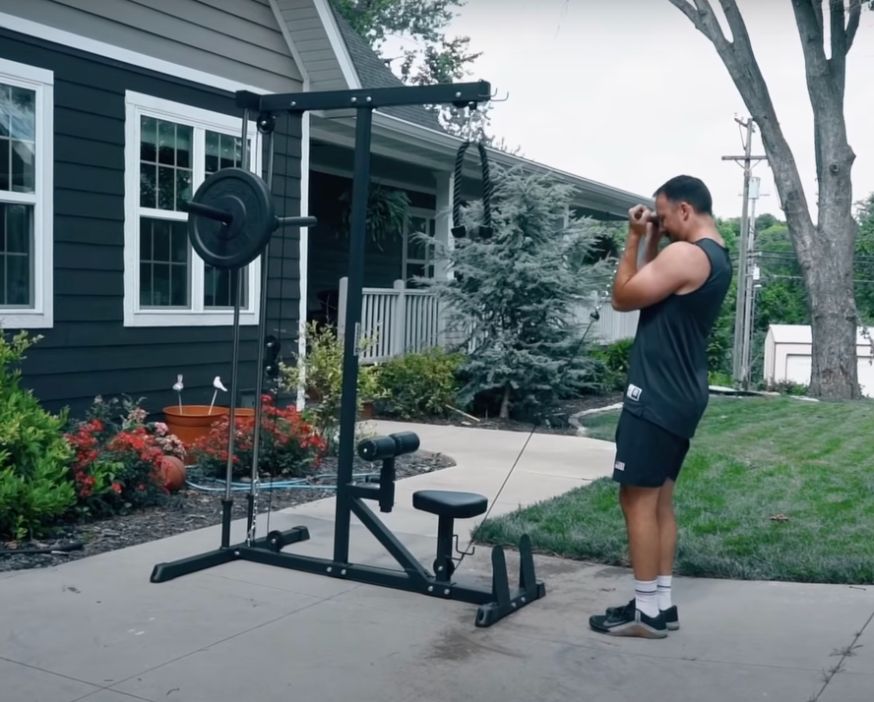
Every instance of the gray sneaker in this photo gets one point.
(629, 621)
(672, 617)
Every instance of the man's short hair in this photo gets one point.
(684, 188)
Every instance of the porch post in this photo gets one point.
(443, 225)
(444, 241)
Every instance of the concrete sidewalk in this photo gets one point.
(96, 629)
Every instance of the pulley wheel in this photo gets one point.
(231, 218)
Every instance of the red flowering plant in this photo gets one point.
(118, 457)
(289, 445)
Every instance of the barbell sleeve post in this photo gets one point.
(297, 221)
(209, 212)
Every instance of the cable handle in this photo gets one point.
(485, 230)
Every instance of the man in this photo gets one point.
(679, 292)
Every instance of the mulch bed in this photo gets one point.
(188, 510)
(191, 509)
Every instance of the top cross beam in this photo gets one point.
(460, 94)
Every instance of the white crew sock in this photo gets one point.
(664, 592)
(646, 597)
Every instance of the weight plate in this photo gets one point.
(247, 199)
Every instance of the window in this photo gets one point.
(26, 108)
(418, 254)
(171, 148)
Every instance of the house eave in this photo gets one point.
(616, 200)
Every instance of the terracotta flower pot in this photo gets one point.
(192, 421)
(173, 473)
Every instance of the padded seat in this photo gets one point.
(449, 503)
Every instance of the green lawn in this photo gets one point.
(810, 465)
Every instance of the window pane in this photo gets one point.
(217, 288)
(23, 117)
(148, 191)
(212, 152)
(164, 263)
(166, 188)
(227, 153)
(148, 139)
(179, 243)
(16, 255)
(23, 174)
(4, 164)
(18, 228)
(5, 109)
(18, 279)
(146, 285)
(183, 187)
(160, 241)
(166, 142)
(179, 285)
(415, 269)
(183, 146)
(160, 285)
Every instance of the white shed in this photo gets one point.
(788, 356)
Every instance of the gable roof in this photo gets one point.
(373, 73)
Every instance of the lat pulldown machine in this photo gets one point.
(231, 220)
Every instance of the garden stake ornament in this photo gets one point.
(230, 200)
(217, 385)
(177, 386)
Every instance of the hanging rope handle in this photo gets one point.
(485, 229)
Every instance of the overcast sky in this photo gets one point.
(629, 93)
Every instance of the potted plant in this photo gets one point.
(190, 422)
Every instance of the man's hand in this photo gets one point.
(642, 221)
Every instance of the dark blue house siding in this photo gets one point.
(89, 351)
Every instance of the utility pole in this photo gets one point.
(741, 328)
(751, 281)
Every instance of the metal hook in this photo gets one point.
(504, 99)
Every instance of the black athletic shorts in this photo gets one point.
(646, 454)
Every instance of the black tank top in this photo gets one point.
(667, 377)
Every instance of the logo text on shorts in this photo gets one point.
(634, 392)
(619, 465)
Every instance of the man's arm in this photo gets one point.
(676, 266)
(653, 240)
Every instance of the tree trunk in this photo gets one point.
(825, 249)
(505, 404)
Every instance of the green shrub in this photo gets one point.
(35, 485)
(720, 378)
(419, 384)
(323, 370)
(614, 359)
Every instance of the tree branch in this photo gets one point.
(853, 22)
(698, 15)
(739, 59)
(689, 11)
(838, 61)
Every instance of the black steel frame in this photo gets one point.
(495, 601)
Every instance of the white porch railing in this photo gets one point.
(394, 321)
(611, 325)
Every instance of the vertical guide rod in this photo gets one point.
(259, 372)
(237, 288)
(360, 189)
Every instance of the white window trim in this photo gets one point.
(430, 216)
(40, 80)
(137, 104)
